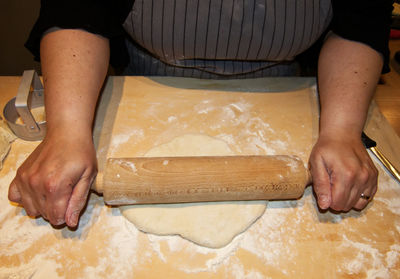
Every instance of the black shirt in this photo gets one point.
(366, 21)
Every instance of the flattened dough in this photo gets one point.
(212, 224)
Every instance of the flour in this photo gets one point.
(31, 270)
(258, 146)
(122, 249)
(131, 135)
(17, 234)
(130, 165)
(253, 129)
(271, 240)
(5, 181)
(24, 230)
(21, 235)
(390, 194)
(176, 244)
(172, 119)
(287, 239)
(392, 257)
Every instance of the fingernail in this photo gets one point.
(323, 202)
(74, 219)
(60, 222)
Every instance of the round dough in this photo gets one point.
(211, 224)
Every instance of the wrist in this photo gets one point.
(340, 134)
(69, 130)
(335, 126)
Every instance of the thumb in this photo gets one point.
(77, 202)
(321, 183)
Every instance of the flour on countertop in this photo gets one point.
(131, 135)
(393, 256)
(172, 119)
(270, 239)
(117, 246)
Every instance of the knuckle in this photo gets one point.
(339, 201)
(50, 185)
(22, 175)
(364, 176)
(349, 174)
(339, 194)
(33, 180)
(374, 172)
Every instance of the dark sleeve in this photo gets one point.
(366, 21)
(102, 17)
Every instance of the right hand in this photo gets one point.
(55, 179)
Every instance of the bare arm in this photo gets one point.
(74, 65)
(55, 179)
(348, 73)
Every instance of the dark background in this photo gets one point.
(16, 20)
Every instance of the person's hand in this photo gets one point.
(54, 180)
(342, 172)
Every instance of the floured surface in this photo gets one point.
(6, 138)
(291, 240)
(212, 224)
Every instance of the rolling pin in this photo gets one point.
(150, 180)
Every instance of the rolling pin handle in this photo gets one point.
(97, 184)
(309, 178)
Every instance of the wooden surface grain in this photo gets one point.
(293, 239)
(387, 95)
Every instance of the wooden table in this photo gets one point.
(293, 239)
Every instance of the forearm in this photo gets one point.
(341, 169)
(74, 65)
(348, 73)
(55, 179)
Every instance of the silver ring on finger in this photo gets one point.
(365, 197)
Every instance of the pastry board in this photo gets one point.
(293, 239)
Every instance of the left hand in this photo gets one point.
(342, 170)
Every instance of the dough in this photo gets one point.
(6, 138)
(212, 224)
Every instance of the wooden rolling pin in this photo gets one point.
(147, 180)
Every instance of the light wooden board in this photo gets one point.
(291, 240)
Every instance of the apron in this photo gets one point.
(222, 38)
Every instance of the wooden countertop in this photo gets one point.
(293, 239)
(387, 94)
